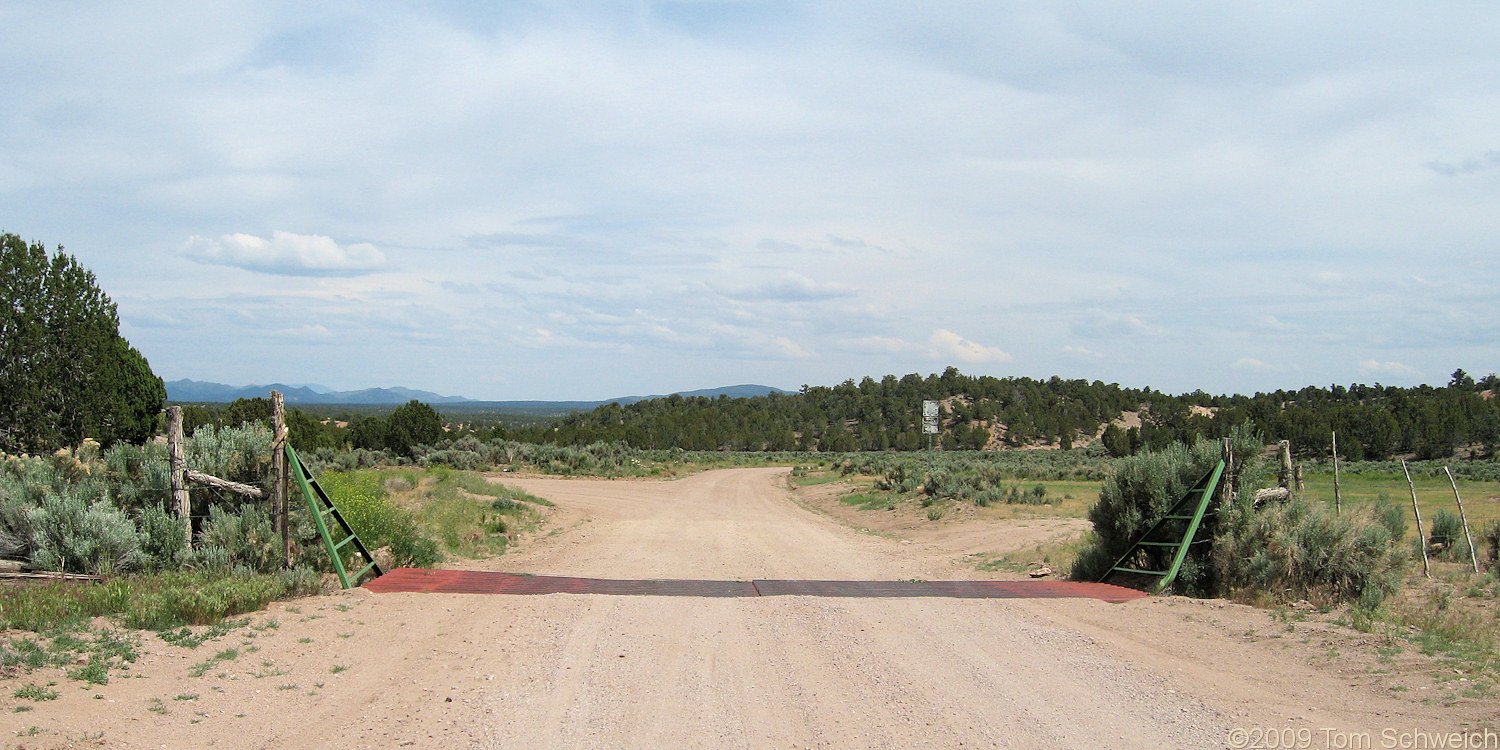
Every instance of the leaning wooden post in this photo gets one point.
(1337, 498)
(1473, 557)
(178, 462)
(279, 474)
(1421, 535)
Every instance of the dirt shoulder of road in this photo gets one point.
(1303, 661)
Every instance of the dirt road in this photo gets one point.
(584, 671)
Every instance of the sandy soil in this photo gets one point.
(363, 670)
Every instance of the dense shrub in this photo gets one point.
(242, 542)
(1142, 488)
(1297, 550)
(162, 537)
(75, 533)
(1447, 540)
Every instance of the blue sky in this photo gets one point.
(550, 200)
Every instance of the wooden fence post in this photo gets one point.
(1473, 556)
(279, 474)
(1285, 477)
(178, 461)
(1337, 498)
(1421, 535)
(1231, 478)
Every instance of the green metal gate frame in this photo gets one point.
(321, 507)
(1191, 508)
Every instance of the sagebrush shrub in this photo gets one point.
(76, 533)
(1304, 551)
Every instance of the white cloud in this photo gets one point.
(878, 345)
(949, 344)
(1253, 365)
(1372, 368)
(286, 253)
(1052, 166)
(789, 348)
(1104, 324)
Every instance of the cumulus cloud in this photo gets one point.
(1082, 352)
(1372, 368)
(1253, 365)
(949, 344)
(286, 253)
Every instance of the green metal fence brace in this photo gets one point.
(321, 507)
(1190, 509)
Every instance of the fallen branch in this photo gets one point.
(1271, 493)
(49, 576)
(223, 484)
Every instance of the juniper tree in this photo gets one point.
(65, 371)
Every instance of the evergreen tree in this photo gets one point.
(412, 423)
(65, 371)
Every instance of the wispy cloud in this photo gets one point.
(1470, 165)
(1082, 352)
(1376, 368)
(791, 287)
(1104, 324)
(286, 253)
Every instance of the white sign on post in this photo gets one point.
(930, 417)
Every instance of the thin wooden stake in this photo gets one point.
(1473, 557)
(1421, 535)
(178, 462)
(1337, 498)
(279, 475)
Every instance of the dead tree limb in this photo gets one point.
(198, 477)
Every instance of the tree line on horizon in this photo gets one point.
(1373, 422)
(66, 374)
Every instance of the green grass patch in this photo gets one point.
(35, 693)
(468, 515)
(186, 638)
(85, 655)
(1058, 553)
(872, 500)
(203, 667)
(810, 481)
(1434, 493)
(362, 498)
(151, 601)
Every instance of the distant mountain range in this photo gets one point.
(196, 391)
